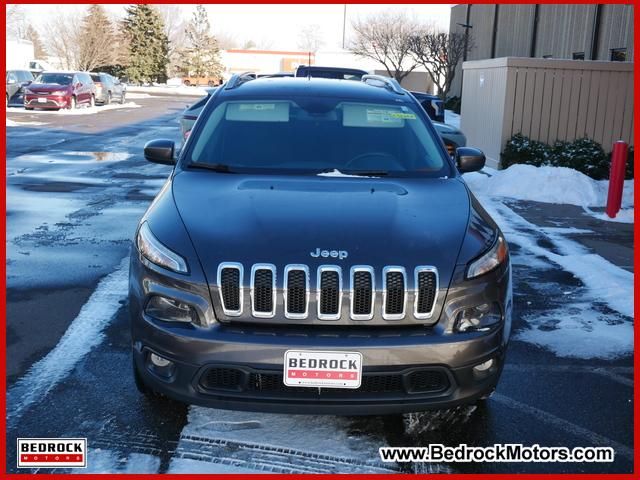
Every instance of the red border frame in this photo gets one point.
(636, 255)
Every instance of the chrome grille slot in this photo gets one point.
(329, 292)
(296, 291)
(395, 293)
(426, 288)
(230, 288)
(362, 292)
(263, 290)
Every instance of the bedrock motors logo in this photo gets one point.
(52, 452)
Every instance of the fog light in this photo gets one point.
(159, 361)
(170, 310)
(484, 366)
(479, 318)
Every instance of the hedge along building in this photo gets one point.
(546, 98)
(577, 32)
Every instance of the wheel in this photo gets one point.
(108, 100)
(211, 83)
(92, 101)
(73, 104)
(122, 98)
(187, 83)
(28, 108)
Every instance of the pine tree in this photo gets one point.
(201, 58)
(147, 44)
(97, 39)
(32, 35)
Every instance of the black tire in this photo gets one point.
(108, 100)
(187, 83)
(74, 104)
(211, 83)
(122, 98)
(92, 101)
(28, 108)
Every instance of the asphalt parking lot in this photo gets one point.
(76, 188)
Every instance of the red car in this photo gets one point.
(56, 90)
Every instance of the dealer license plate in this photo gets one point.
(310, 368)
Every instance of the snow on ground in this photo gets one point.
(11, 123)
(586, 331)
(82, 110)
(546, 184)
(308, 441)
(84, 333)
(106, 461)
(452, 118)
(135, 96)
(165, 90)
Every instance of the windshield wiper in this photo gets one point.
(364, 173)
(216, 167)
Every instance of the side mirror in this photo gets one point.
(469, 159)
(160, 151)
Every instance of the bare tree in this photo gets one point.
(310, 38)
(62, 35)
(175, 29)
(227, 40)
(386, 38)
(439, 53)
(33, 36)
(16, 21)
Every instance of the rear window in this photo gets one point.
(316, 135)
(55, 78)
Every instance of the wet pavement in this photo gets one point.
(76, 188)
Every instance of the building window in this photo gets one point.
(547, 56)
(618, 54)
(578, 55)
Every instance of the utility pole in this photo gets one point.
(344, 24)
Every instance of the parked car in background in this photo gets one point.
(190, 115)
(433, 105)
(56, 90)
(108, 89)
(16, 81)
(451, 136)
(197, 81)
(338, 73)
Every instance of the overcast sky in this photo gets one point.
(275, 26)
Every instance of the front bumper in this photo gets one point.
(51, 101)
(252, 355)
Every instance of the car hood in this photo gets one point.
(281, 220)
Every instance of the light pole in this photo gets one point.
(344, 24)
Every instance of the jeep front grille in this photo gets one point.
(263, 290)
(403, 297)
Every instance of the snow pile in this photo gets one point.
(85, 110)
(11, 123)
(546, 184)
(452, 118)
(166, 90)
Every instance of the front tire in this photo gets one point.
(73, 104)
(108, 100)
(92, 101)
(122, 98)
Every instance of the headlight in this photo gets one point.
(493, 257)
(480, 318)
(58, 92)
(170, 310)
(154, 251)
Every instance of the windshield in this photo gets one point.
(317, 135)
(58, 78)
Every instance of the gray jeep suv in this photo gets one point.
(316, 250)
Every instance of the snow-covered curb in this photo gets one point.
(181, 90)
(11, 123)
(81, 110)
(558, 185)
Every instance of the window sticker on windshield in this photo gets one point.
(257, 106)
(407, 116)
(257, 112)
(382, 116)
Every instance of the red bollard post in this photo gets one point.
(616, 178)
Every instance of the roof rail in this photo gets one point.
(238, 79)
(384, 82)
